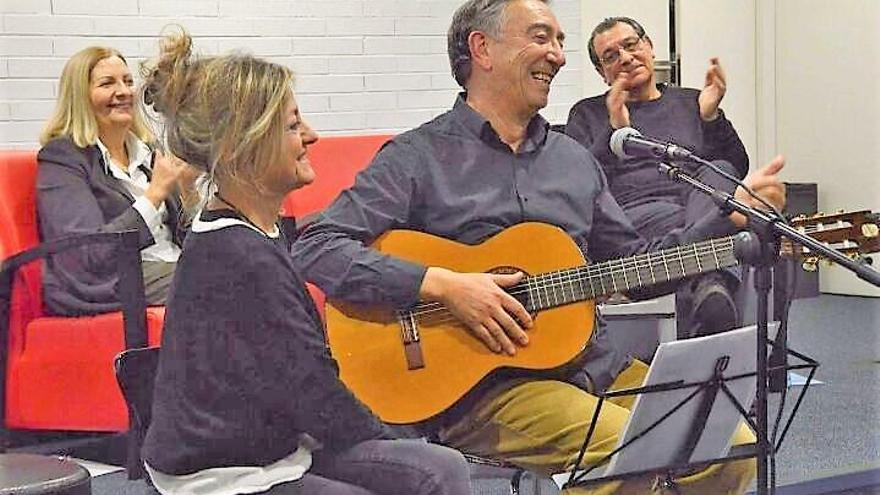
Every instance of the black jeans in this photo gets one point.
(657, 217)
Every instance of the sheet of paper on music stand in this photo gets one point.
(691, 360)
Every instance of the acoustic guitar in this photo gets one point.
(410, 365)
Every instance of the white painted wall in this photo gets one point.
(724, 29)
(803, 81)
(364, 66)
(827, 102)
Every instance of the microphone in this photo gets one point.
(627, 142)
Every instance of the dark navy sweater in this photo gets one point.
(244, 367)
(674, 117)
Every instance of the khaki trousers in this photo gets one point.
(541, 425)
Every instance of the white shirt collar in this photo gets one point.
(138, 153)
(199, 225)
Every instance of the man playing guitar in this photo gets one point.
(488, 164)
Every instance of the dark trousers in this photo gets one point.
(384, 467)
(658, 216)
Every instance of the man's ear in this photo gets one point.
(478, 44)
(602, 75)
(651, 44)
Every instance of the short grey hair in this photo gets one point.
(474, 15)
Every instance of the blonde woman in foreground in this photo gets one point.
(247, 397)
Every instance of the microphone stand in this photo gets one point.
(760, 250)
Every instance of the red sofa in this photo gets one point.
(59, 371)
(336, 160)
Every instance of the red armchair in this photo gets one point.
(59, 370)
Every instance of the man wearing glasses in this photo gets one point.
(623, 55)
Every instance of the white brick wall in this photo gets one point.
(363, 66)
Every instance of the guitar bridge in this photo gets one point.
(413, 353)
(412, 345)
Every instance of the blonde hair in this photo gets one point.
(73, 116)
(224, 115)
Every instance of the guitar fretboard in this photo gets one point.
(557, 288)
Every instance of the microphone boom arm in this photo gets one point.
(727, 202)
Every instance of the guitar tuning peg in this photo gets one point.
(810, 264)
(870, 230)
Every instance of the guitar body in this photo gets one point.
(368, 343)
(412, 365)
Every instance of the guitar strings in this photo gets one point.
(435, 313)
(567, 276)
(534, 285)
(681, 254)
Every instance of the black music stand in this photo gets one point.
(759, 248)
(684, 408)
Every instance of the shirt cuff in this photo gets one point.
(718, 125)
(404, 279)
(601, 148)
(149, 213)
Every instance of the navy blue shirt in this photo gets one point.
(454, 177)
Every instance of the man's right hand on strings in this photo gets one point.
(479, 301)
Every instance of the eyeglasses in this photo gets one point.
(629, 45)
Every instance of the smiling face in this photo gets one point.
(292, 168)
(526, 56)
(622, 53)
(111, 94)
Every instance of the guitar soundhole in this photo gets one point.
(520, 295)
(507, 270)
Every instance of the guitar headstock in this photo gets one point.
(853, 233)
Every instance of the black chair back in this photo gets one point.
(136, 373)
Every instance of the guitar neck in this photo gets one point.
(551, 289)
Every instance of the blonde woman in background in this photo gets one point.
(247, 397)
(98, 171)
